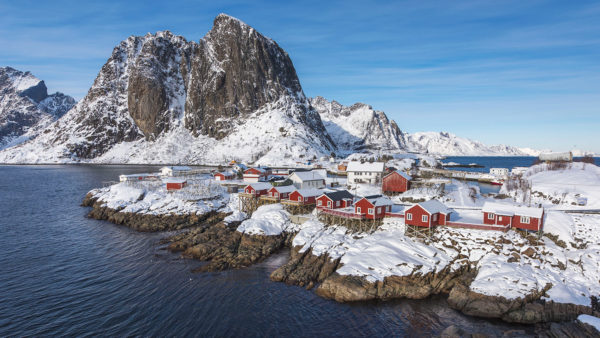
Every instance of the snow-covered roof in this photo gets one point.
(381, 201)
(366, 166)
(284, 188)
(226, 173)
(403, 174)
(308, 175)
(434, 206)
(309, 192)
(174, 180)
(338, 195)
(510, 210)
(260, 186)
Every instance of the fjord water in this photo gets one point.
(64, 274)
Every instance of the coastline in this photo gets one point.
(209, 238)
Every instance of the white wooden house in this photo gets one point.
(367, 172)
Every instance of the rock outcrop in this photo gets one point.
(148, 222)
(225, 248)
(529, 310)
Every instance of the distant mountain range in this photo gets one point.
(234, 94)
(25, 106)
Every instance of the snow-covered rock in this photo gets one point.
(25, 106)
(162, 99)
(359, 127)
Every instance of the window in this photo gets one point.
(490, 216)
(424, 218)
(409, 217)
(435, 217)
(319, 203)
(299, 198)
(276, 194)
(525, 219)
(358, 210)
(329, 203)
(370, 211)
(337, 203)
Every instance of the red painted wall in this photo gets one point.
(394, 182)
(417, 213)
(250, 190)
(533, 224)
(365, 205)
(295, 195)
(175, 186)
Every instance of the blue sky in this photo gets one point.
(524, 73)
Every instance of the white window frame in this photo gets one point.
(435, 217)
(358, 210)
(525, 219)
(491, 216)
(329, 204)
(300, 198)
(370, 211)
(337, 203)
(319, 203)
(409, 216)
(499, 218)
(424, 218)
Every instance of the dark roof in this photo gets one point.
(373, 196)
(338, 195)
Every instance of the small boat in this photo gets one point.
(496, 181)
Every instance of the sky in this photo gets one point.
(522, 73)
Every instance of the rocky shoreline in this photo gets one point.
(208, 238)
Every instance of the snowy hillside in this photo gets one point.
(25, 106)
(447, 144)
(162, 99)
(358, 127)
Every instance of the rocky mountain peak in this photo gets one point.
(25, 106)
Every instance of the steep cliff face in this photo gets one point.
(359, 127)
(26, 107)
(159, 94)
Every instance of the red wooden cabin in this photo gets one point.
(525, 218)
(427, 214)
(256, 174)
(335, 200)
(396, 182)
(304, 196)
(175, 184)
(373, 207)
(257, 189)
(281, 192)
(224, 176)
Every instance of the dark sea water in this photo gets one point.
(64, 274)
(495, 162)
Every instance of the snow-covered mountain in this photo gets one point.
(162, 99)
(447, 144)
(25, 106)
(359, 127)
(234, 94)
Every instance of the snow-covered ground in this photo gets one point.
(561, 189)
(151, 197)
(267, 220)
(508, 264)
